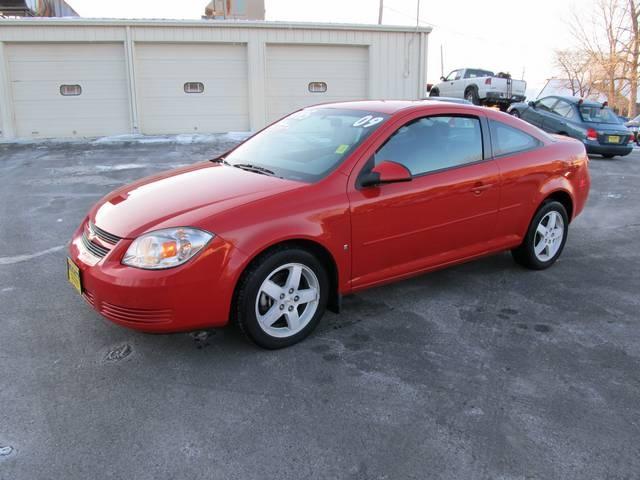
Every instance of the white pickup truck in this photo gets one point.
(481, 87)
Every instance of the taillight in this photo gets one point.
(592, 134)
(487, 81)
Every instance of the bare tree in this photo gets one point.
(575, 67)
(632, 51)
(601, 35)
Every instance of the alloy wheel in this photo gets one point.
(287, 300)
(548, 238)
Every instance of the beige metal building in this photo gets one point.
(84, 78)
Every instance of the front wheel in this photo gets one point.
(608, 156)
(282, 297)
(545, 238)
(515, 113)
(434, 92)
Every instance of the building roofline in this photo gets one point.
(110, 22)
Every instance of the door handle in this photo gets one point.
(480, 187)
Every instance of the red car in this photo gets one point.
(328, 201)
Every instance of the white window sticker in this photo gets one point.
(367, 121)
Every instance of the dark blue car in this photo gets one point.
(592, 123)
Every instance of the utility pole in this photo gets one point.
(441, 61)
(380, 12)
(417, 15)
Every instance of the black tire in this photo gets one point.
(434, 92)
(248, 289)
(515, 113)
(471, 94)
(525, 254)
(608, 156)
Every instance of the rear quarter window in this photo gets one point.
(507, 140)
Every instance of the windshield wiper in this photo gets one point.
(220, 160)
(253, 168)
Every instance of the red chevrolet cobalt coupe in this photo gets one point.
(328, 201)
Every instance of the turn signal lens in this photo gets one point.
(166, 248)
(592, 134)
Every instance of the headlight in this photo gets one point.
(166, 248)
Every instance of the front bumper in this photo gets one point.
(192, 296)
(599, 149)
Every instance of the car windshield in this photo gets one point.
(306, 145)
(597, 114)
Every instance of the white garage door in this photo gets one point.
(294, 70)
(216, 76)
(66, 90)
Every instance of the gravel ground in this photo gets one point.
(482, 371)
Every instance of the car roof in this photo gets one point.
(388, 106)
(576, 100)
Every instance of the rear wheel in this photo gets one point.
(515, 113)
(434, 92)
(545, 238)
(608, 156)
(471, 95)
(282, 298)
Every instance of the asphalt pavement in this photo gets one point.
(482, 371)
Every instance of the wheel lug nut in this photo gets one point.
(281, 296)
(291, 290)
(296, 298)
(291, 308)
(281, 307)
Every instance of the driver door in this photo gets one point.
(447, 212)
(447, 85)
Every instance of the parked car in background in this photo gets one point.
(593, 123)
(481, 87)
(326, 202)
(634, 125)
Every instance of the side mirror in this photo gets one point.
(532, 104)
(442, 79)
(386, 172)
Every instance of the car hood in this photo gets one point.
(189, 196)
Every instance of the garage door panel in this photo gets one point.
(172, 89)
(224, 106)
(103, 90)
(163, 69)
(37, 71)
(52, 110)
(205, 123)
(346, 87)
(67, 72)
(290, 69)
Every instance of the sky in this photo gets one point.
(515, 36)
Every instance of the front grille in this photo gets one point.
(104, 236)
(135, 315)
(97, 250)
(88, 296)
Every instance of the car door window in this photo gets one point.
(507, 140)
(564, 109)
(434, 143)
(546, 104)
(453, 76)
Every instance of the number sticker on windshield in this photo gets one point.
(367, 121)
